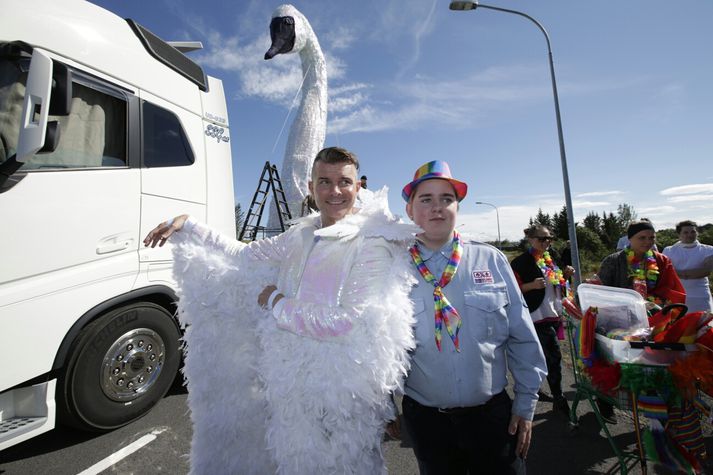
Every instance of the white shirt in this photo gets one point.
(622, 242)
(550, 306)
(687, 257)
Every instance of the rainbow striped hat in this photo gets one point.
(431, 170)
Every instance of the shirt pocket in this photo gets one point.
(486, 312)
(423, 331)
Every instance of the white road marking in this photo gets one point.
(120, 454)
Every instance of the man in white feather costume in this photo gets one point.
(295, 343)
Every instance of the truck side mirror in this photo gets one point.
(35, 109)
(61, 100)
(51, 137)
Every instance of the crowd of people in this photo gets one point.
(350, 306)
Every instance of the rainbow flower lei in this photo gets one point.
(650, 272)
(552, 274)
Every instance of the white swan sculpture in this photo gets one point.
(291, 33)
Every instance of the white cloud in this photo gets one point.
(513, 220)
(688, 189)
(336, 68)
(339, 37)
(482, 225)
(418, 32)
(430, 101)
(275, 80)
(347, 102)
(657, 210)
(690, 198)
(278, 80)
(590, 204)
(592, 194)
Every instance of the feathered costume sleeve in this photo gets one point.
(225, 393)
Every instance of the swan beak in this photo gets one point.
(282, 33)
(272, 52)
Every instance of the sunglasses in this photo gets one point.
(544, 238)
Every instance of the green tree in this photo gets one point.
(591, 251)
(706, 235)
(625, 214)
(239, 218)
(593, 222)
(543, 218)
(560, 224)
(589, 241)
(666, 237)
(611, 230)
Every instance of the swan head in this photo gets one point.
(289, 30)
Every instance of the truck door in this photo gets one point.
(70, 218)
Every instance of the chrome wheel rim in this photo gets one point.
(133, 364)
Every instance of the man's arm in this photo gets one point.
(699, 272)
(525, 358)
(184, 228)
(607, 270)
(322, 321)
(525, 361)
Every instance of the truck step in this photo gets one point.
(20, 424)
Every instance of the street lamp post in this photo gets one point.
(471, 5)
(497, 218)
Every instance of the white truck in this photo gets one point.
(105, 130)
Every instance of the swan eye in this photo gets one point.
(289, 20)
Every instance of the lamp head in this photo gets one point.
(463, 5)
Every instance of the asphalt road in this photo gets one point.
(556, 449)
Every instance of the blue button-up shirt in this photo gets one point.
(497, 333)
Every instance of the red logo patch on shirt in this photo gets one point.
(482, 277)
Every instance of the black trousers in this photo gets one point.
(471, 441)
(547, 334)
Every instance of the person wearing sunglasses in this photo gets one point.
(543, 281)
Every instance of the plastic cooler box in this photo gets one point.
(625, 309)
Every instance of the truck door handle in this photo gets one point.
(106, 248)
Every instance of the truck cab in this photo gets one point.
(105, 131)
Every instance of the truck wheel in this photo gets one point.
(121, 365)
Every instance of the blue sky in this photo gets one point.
(410, 82)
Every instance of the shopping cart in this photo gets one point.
(621, 360)
(585, 391)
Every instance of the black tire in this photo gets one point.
(121, 365)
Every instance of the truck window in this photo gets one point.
(164, 141)
(93, 134)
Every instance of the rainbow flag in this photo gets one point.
(653, 407)
(684, 426)
(587, 328)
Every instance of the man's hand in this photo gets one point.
(523, 429)
(538, 283)
(393, 428)
(160, 234)
(708, 264)
(568, 272)
(264, 296)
